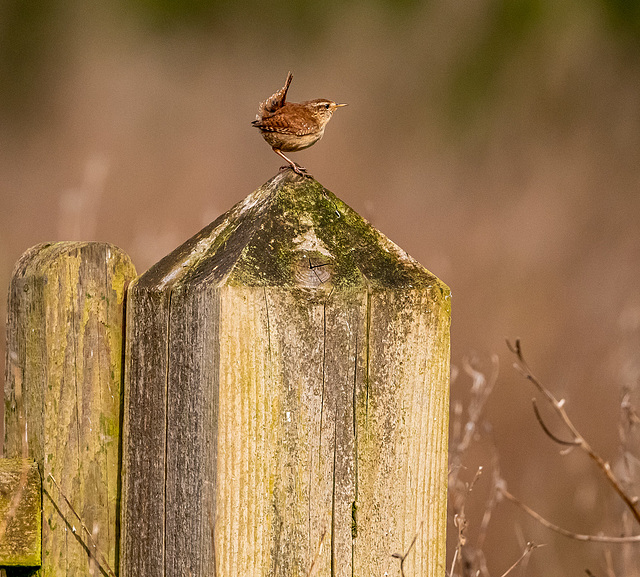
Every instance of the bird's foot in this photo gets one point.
(301, 170)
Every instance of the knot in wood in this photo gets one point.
(312, 270)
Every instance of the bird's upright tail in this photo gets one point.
(275, 101)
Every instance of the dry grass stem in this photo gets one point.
(468, 427)
(609, 563)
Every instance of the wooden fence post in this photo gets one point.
(62, 396)
(287, 375)
(20, 514)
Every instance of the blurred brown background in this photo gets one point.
(497, 141)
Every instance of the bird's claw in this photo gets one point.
(301, 170)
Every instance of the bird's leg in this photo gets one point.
(296, 167)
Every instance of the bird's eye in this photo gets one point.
(327, 106)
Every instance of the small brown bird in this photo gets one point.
(291, 126)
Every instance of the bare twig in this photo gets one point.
(99, 557)
(527, 551)
(460, 520)
(627, 422)
(578, 440)
(467, 427)
(491, 504)
(629, 410)
(406, 554)
(609, 560)
(565, 532)
(544, 427)
(481, 389)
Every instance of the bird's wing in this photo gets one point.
(294, 122)
(275, 101)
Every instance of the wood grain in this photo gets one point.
(20, 513)
(62, 394)
(287, 374)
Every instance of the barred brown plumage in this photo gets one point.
(292, 126)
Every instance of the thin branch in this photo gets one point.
(406, 554)
(99, 557)
(546, 429)
(629, 410)
(459, 521)
(609, 561)
(527, 551)
(565, 532)
(578, 439)
(453, 561)
(481, 389)
(467, 427)
(478, 474)
(491, 503)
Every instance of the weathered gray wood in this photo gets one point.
(20, 513)
(287, 374)
(62, 395)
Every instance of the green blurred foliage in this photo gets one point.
(508, 25)
(33, 37)
(518, 33)
(206, 15)
(624, 16)
(30, 40)
(298, 17)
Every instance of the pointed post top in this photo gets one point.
(287, 371)
(292, 232)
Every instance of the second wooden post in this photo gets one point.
(287, 375)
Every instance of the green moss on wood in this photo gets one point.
(293, 233)
(65, 342)
(296, 380)
(20, 514)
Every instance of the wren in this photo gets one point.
(292, 126)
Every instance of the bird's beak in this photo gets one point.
(338, 105)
